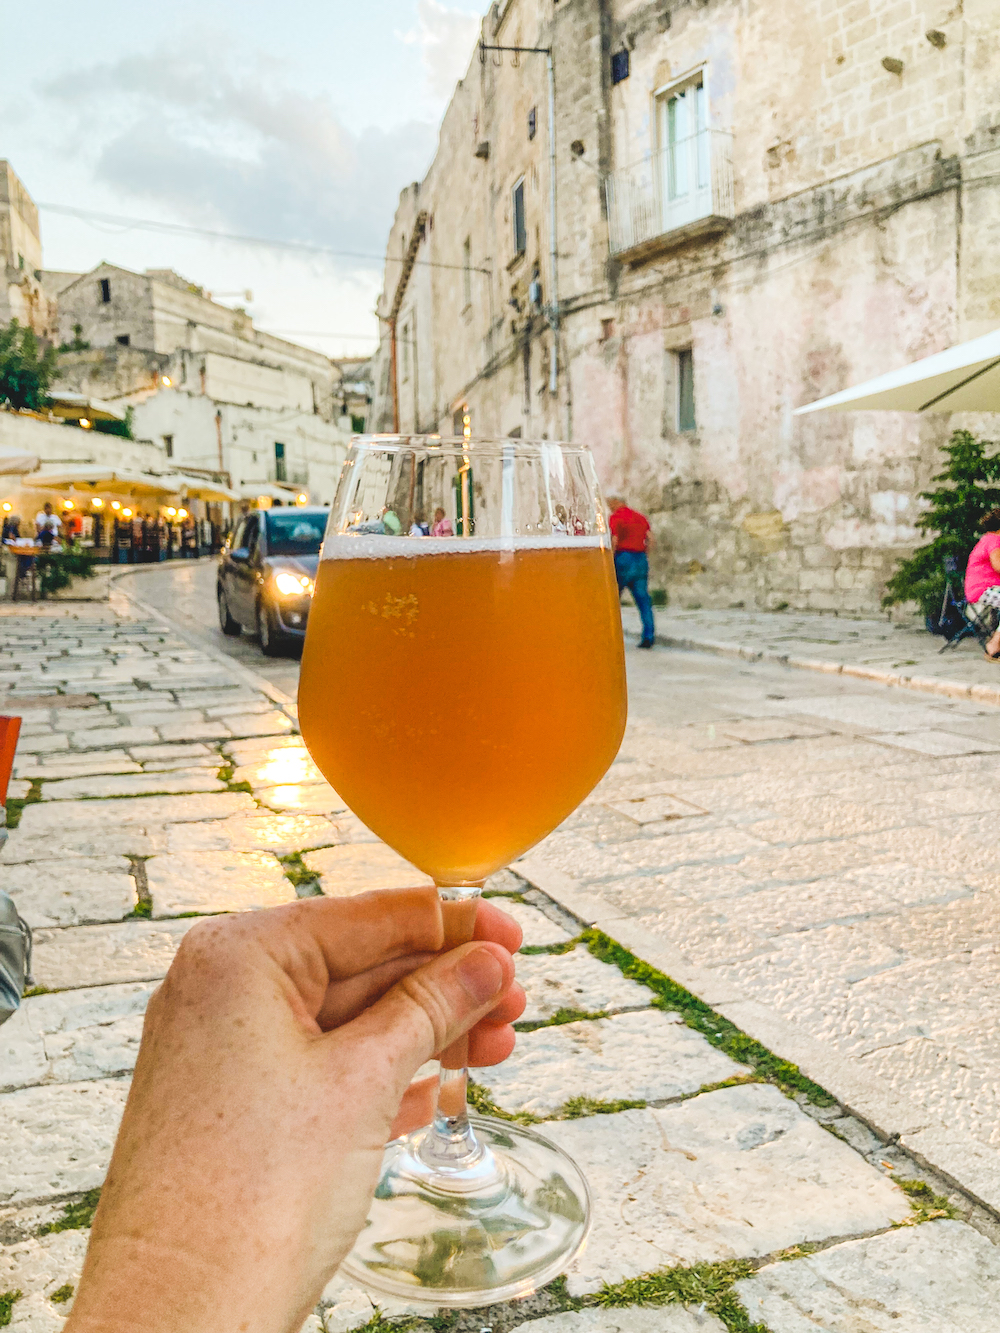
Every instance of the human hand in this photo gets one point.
(274, 1067)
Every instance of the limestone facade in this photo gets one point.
(22, 296)
(757, 204)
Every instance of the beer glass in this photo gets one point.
(463, 689)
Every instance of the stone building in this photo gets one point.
(22, 295)
(211, 392)
(756, 204)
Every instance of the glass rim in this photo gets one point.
(499, 446)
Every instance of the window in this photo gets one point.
(467, 271)
(683, 124)
(252, 534)
(619, 66)
(685, 390)
(280, 471)
(520, 228)
(105, 290)
(294, 533)
(168, 445)
(123, 340)
(532, 122)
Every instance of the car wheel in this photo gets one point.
(272, 642)
(226, 623)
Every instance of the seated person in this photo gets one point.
(982, 580)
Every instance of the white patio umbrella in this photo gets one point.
(197, 488)
(96, 478)
(14, 462)
(965, 378)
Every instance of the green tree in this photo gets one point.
(966, 491)
(25, 370)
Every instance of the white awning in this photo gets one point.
(965, 378)
(197, 488)
(15, 463)
(73, 406)
(250, 490)
(96, 478)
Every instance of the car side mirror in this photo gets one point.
(241, 555)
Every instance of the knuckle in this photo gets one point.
(431, 1003)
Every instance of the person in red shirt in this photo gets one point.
(630, 540)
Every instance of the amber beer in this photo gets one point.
(463, 699)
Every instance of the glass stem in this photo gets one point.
(452, 1143)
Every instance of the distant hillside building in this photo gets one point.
(22, 296)
(208, 389)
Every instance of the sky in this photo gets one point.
(296, 123)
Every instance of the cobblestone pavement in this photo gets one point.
(153, 782)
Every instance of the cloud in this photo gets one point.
(240, 150)
(446, 38)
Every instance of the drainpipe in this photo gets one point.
(393, 386)
(553, 239)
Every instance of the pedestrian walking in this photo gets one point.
(631, 537)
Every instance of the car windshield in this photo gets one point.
(295, 533)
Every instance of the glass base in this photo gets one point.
(488, 1230)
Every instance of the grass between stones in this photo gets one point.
(7, 1299)
(927, 1206)
(303, 880)
(63, 1294)
(704, 1287)
(575, 1108)
(559, 1017)
(143, 909)
(725, 1036)
(15, 807)
(225, 774)
(76, 1216)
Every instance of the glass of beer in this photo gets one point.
(463, 689)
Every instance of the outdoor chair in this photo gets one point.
(956, 611)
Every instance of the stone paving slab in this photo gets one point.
(214, 881)
(248, 751)
(280, 834)
(357, 867)
(112, 737)
(290, 764)
(53, 817)
(537, 929)
(740, 1172)
(648, 1056)
(128, 951)
(307, 798)
(57, 1140)
(144, 753)
(110, 761)
(73, 1035)
(258, 724)
(132, 784)
(576, 980)
(90, 843)
(38, 1268)
(65, 893)
(942, 1277)
(667, 1319)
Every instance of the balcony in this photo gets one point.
(683, 191)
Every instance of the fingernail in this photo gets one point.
(481, 975)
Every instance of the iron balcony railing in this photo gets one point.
(684, 183)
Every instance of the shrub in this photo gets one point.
(57, 569)
(966, 492)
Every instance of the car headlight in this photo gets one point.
(292, 585)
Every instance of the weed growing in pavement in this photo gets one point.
(142, 911)
(15, 805)
(559, 1017)
(7, 1299)
(927, 1206)
(707, 1285)
(725, 1036)
(35, 990)
(76, 1216)
(64, 1293)
(578, 1107)
(567, 946)
(299, 874)
(502, 893)
(480, 1101)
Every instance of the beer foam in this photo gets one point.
(369, 546)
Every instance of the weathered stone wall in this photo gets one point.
(867, 217)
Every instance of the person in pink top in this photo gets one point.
(442, 526)
(982, 580)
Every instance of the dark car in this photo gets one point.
(266, 574)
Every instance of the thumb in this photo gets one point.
(430, 1008)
